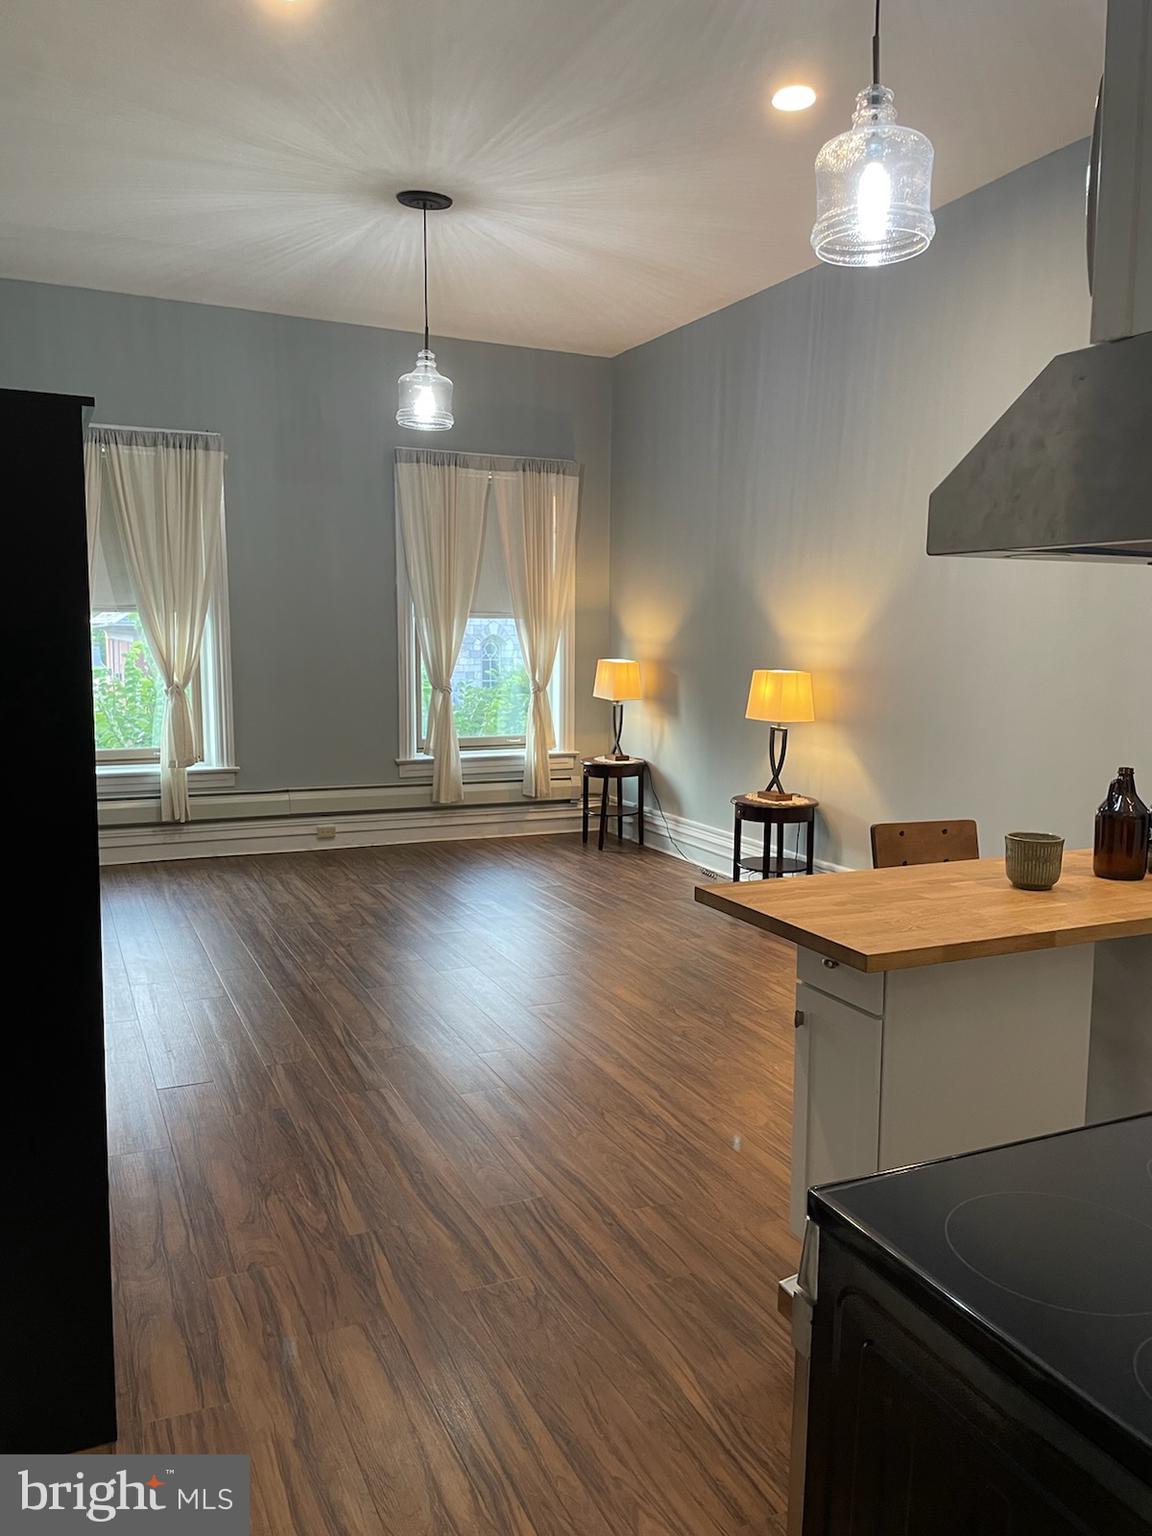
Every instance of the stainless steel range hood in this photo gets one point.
(1066, 473)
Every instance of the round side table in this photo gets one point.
(607, 769)
(778, 812)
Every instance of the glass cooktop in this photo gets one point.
(1046, 1243)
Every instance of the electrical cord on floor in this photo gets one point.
(709, 873)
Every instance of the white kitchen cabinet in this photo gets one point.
(1120, 1065)
(1122, 284)
(836, 1112)
(942, 1059)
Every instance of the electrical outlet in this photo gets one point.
(326, 832)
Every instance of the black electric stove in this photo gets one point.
(1042, 1248)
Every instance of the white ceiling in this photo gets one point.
(617, 168)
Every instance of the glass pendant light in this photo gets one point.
(874, 184)
(425, 394)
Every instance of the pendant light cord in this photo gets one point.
(876, 48)
(425, 211)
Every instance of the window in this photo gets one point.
(492, 646)
(127, 690)
(127, 687)
(490, 688)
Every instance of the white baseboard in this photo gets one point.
(283, 834)
(367, 818)
(244, 805)
(699, 843)
(710, 847)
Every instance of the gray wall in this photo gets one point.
(771, 471)
(306, 409)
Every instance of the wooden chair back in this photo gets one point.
(923, 842)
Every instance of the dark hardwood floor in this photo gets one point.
(449, 1181)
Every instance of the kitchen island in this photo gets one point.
(940, 1010)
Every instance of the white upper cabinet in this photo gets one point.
(1122, 242)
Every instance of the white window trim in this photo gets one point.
(478, 759)
(129, 772)
(141, 781)
(488, 765)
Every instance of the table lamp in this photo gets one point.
(618, 680)
(784, 699)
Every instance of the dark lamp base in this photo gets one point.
(777, 743)
(617, 726)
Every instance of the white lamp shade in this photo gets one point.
(617, 679)
(873, 189)
(425, 397)
(784, 698)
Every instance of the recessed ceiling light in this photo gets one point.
(793, 98)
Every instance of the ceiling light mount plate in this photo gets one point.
(430, 202)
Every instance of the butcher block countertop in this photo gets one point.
(927, 914)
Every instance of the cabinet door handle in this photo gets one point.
(830, 965)
(798, 1018)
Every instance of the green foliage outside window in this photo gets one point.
(126, 708)
(498, 709)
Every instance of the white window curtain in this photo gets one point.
(93, 483)
(440, 502)
(166, 493)
(536, 506)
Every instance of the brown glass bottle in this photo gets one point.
(1121, 851)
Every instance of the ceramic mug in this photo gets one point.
(1033, 860)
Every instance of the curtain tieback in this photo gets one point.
(539, 688)
(180, 743)
(446, 691)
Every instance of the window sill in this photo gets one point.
(489, 763)
(132, 781)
